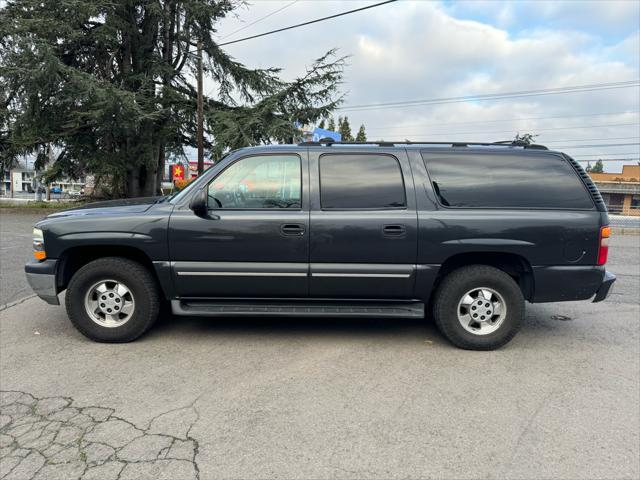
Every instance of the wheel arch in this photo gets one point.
(516, 266)
(74, 258)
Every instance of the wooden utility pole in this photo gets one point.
(200, 113)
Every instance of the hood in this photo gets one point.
(127, 205)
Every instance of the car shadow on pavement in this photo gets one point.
(295, 325)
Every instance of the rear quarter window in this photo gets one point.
(479, 180)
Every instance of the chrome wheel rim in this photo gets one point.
(481, 311)
(109, 303)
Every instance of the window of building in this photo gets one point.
(266, 181)
(635, 201)
(482, 180)
(361, 182)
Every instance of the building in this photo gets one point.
(22, 181)
(620, 191)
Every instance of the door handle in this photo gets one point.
(295, 229)
(394, 230)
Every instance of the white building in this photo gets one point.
(23, 182)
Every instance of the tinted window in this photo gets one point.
(361, 182)
(508, 181)
(269, 181)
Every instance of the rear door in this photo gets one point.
(363, 224)
(254, 242)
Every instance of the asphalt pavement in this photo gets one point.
(322, 398)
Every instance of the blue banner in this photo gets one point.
(320, 133)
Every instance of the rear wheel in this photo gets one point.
(479, 307)
(112, 299)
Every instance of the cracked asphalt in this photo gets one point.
(324, 398)
(53, 437)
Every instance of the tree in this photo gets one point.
(321, 124)
(331, 126)
(598, 167)
(345, 130)
(109, 85)
(361, 136)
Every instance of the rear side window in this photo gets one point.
(506, 181)
(353, 181)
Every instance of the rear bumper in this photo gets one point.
(42, 279)
(575, 282)
(606, 287)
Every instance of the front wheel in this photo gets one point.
(112, 299)
(479, 307)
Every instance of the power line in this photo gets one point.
(598, 145)
(501, 121)
(589, 139)
(534, 130)
(494, 96)
(260, 19)
(611, 160)
(307, 23)
(606, 154)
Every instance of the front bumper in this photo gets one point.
(42, 279)
(606, 287)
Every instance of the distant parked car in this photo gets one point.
(56, 190)
(74, 193)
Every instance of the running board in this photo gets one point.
(296, 309)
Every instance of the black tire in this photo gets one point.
(142, 285)
(454, 287)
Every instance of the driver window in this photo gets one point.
(269, 181)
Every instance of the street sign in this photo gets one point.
(177, 172)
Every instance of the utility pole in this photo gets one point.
(200, 113)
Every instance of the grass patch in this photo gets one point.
(40, 205)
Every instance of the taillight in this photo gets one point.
(603, 249)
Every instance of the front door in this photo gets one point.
(363, 225)
(254, 243)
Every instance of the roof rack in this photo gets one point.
(506, 143)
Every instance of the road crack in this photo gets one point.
(53, 436)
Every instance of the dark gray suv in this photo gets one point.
(464, 232)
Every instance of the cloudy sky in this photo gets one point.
(421, 50)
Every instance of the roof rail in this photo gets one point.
(383, 143)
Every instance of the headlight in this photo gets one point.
(38, 245)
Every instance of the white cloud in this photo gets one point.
(419, 50)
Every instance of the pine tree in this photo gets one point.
(331, 126)
(321, 124)
(345, 130)
(362, 135)
(110, 86)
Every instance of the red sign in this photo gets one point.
(177, 172)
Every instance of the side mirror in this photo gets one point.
(199, 203)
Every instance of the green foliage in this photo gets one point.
(321, 124)
(598, 167)
(362, 135)
(345, 129)
(106, 88)
(331, 126)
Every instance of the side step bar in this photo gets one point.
(296, 309)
